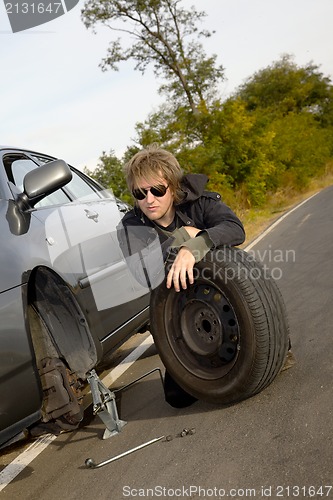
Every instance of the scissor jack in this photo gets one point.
(104, 402)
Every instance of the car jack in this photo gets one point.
(104, 405)
(104, 402)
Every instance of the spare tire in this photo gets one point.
(224, 338)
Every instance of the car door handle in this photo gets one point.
(92, 215)
(109, 271)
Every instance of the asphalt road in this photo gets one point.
(278, 444)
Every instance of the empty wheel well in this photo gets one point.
(57, 325)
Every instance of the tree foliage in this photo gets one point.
(294, 104)
(163, 34)
(109, 173)
(284, 87)
(274, 132)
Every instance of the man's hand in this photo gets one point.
(181, 269)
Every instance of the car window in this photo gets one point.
(56, 198)
(19, 168)
(79, 188)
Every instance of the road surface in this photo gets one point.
(277, 444)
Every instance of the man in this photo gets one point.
(176, 211)
(174, 223)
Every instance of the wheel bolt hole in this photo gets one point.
(226, 308)
(206, 325)
(231, 322)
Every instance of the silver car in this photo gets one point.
(67, 298)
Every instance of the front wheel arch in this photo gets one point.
(63, 347)
(62, 320)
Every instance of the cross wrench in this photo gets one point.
(90, 462)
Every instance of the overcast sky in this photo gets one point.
(55, 98)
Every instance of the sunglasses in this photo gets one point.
(158, 191)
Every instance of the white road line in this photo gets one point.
(270, 228)
(23, 460)
(307, 217)
(117, 372)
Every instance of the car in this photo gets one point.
(67, 297)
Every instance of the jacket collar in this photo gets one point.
(193, 186)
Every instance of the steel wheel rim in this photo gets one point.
(202, 330)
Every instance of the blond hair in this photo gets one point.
(153, 162)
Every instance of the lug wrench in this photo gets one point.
(90, 462)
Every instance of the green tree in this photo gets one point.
(301, 149)
(224, 142)
(326, 115)
(284, 87)
(163, 34)
(294, 105)
(109, 173)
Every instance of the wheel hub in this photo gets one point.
(204, 331)
(201, 328)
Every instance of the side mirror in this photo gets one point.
(46, 179)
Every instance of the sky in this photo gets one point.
(55, 99)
